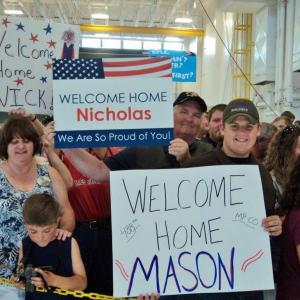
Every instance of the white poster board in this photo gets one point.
(27, 48)
(194, 230)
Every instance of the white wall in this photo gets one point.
(215, 73)
(284, 94)
(214, 79)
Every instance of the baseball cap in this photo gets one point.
(190, 96)
(241, 107)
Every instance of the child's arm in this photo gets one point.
(67, 220)
(15, 278)
(76, 282)
(20, 258)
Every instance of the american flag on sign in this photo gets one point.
(112, 67)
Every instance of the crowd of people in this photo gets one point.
(55, 204)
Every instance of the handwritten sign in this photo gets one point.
(184, 231)
(183, 64)
(94, 112)
(27, 48)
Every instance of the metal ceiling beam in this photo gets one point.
(42, 10)
(139, 13)
(90, 13)
(155, 13)
(147, 30)
(61, 12)
(121, 13)
(24, 9)
(170, 16)
(75, 9)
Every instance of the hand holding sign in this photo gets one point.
(273, 225)
(180, 149)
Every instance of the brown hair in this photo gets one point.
(18, 126)
(41, 210)
(220, 107)
(281, 152)
(284, 118)
(289, 115)
(291, 196)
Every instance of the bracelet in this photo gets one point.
(34, 118)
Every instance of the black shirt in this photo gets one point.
(156, 157)
(208, 140)
(218, 157)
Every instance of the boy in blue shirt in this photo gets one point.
(42, 248)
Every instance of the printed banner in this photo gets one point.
(184, 231)
(27, 48)
(183, 64)
(115, 102)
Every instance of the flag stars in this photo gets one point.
(48, 29)
(48, 65)
(43, 79)
(5, 22)
(20, 26)
(51, 44)
(77, 69)
(34, 37)
(19, 81)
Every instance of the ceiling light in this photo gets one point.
(13, 12)
(100, 16)
(183, 20)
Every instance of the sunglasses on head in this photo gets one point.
(288, 130)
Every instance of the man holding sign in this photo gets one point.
(240, 131)
(241, 128)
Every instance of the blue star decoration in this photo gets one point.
(20, 26)
(48, 29)
(43, 79)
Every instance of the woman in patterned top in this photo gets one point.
(20, 177)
